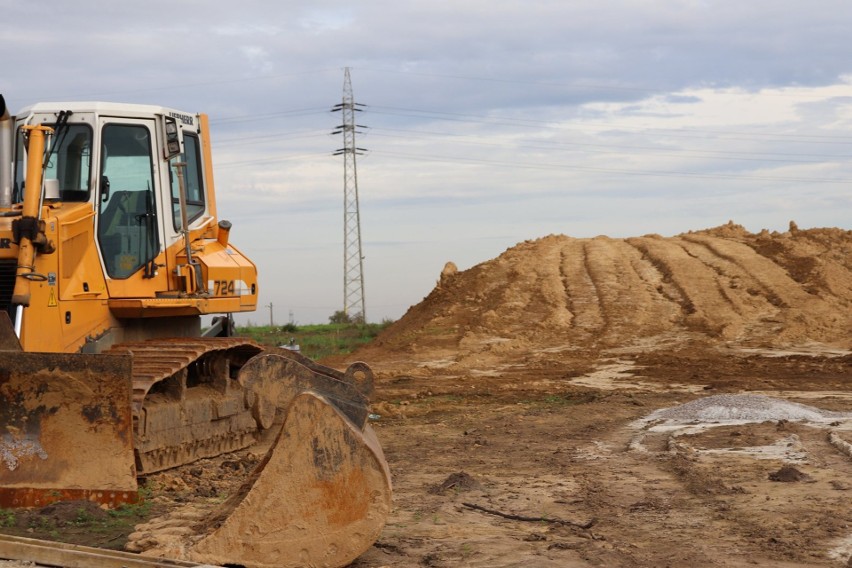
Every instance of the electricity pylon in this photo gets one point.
(353, 258)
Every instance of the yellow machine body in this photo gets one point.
(115, 226)
(111, 251)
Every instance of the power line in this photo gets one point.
(612, 148)
(171, 87)
(586, 147)
(728, 91)
(265, 116)
(618, 171)
(556, 166)
(264, 139)
(270, 160)
(548, 124)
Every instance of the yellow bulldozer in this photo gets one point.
(111, 251)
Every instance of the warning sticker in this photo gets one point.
(51, 300)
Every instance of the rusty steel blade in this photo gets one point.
(65, 429)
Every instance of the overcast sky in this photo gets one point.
(487, 122)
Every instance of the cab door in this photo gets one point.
(128, 227)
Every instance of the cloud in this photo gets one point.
(245, 29)
(258, 59)
(332, 19)
(488, 122)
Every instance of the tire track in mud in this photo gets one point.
(704, 308)
(669, 287)
(746, 297)
(519, 294)
(648, 501)
(643, 507)
(665, 493)
(546, 292)
(626, 290)
(796, 521)
(580, 289)
(740, 262)
(785, 299)
(756, 291)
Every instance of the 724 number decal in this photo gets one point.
(224, 287)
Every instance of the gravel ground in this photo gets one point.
(741, 408)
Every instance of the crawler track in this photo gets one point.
(187, 403)
(158, 359)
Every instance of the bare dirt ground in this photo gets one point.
(521, 385)
(519, 407)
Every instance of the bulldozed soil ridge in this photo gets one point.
(724, 284)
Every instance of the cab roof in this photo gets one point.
(100, 108)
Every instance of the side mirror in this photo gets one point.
(172, 147)
(104, 189)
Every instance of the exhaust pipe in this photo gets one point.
(5, 155)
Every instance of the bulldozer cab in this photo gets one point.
(128, 203)
(124, 168)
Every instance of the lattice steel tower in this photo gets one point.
(353, 259)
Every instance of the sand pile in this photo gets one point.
(722, 285)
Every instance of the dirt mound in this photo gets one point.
(721, 285)
(459, 482)
(789, 474)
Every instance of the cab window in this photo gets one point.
(127, 226)
(192, 179)
(70, 162)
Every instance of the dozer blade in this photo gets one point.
(319, 497)
(65, 428)
(275, 378)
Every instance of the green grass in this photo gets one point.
(567, 398)
(134, 511)
(319, 340)
(7, 518)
